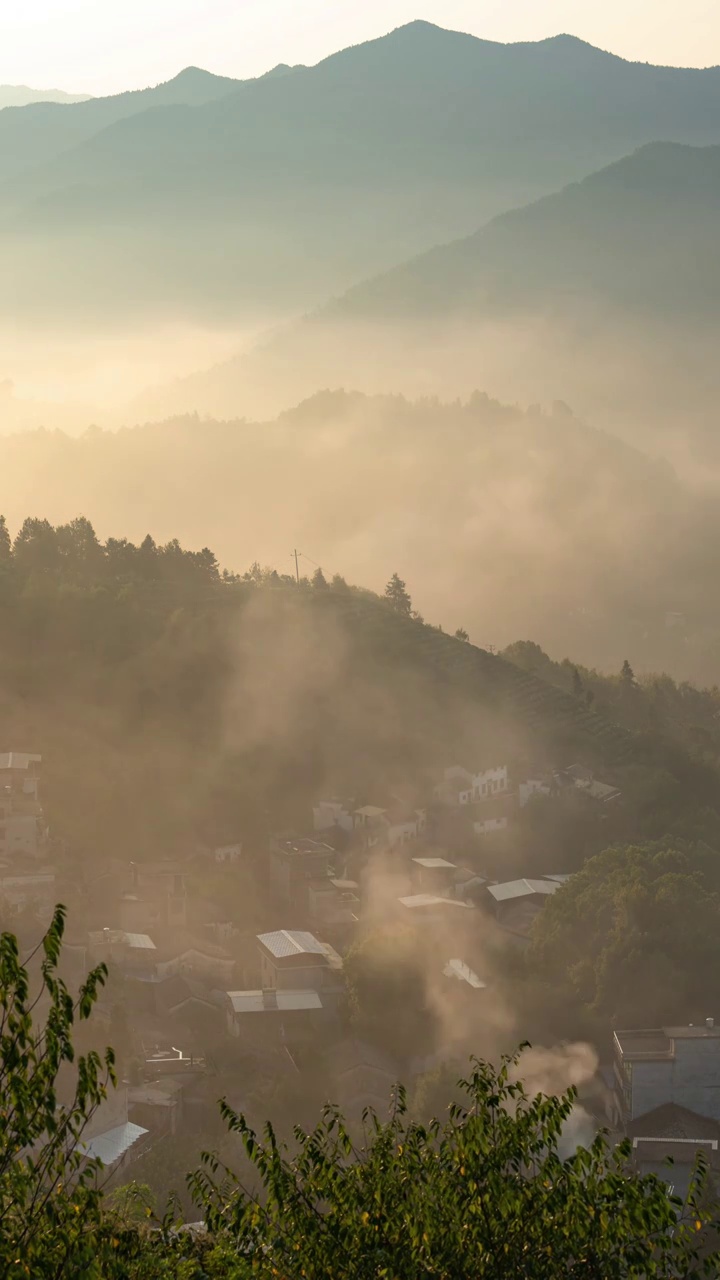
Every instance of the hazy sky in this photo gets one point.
(102, 46)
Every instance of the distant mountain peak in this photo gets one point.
(193, 73)
(282, 69)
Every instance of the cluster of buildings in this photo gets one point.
(200, 996)
(491, 798)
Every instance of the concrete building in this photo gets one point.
(294, 863)
(486, 826)
(157, 897)
(20, 771)
(389, 828)
(434, 875)
(331, 814)
(36, 890)
(679, 1065)
(23, 832)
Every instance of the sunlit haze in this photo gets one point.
(127, 44)
(359, 639)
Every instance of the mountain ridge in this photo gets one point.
(253, 193)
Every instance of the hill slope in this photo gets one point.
(36, 133)
(606, 293)
(507, 523)
(296, 184)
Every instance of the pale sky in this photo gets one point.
(103, 46)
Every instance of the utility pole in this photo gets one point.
(297, 571)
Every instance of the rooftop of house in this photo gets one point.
(291, 942)
(675, 1123)
(462, 971)
(151, 1095)
(273, 1001)
(418, 901)
(173, 943)
(121, 938)
(173, 992)
(298, 846)
(659, 1042)
(521, 889)
(108, 1147)
(371, 811)
(163, 867)
(435, 864)
(351, 1054)
(18, 760)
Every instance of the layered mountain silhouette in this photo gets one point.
(39, 132)
(607, 293)
(208, 195)
(20, 95)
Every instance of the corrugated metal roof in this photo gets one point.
(140, 940)
(291, 942)
(246, 1001)
(18, 760)
(120, 938)
(273, 1001)
(415, 900)
(432, 863)
(110, 1146)
(521, 889)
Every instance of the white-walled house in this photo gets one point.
(404, 827)
(487, 825)
(228, 852)
(328, 814)
(490, 782)
(391, 827)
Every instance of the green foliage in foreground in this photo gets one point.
(484, 1194)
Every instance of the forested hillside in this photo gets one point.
(214, 701)
(498, 518)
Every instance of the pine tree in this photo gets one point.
(319, 580)
(461, 634)
(397, 596)
(627, 676)
(5, 543)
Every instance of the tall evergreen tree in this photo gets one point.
(5, 543)
(397, 595)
